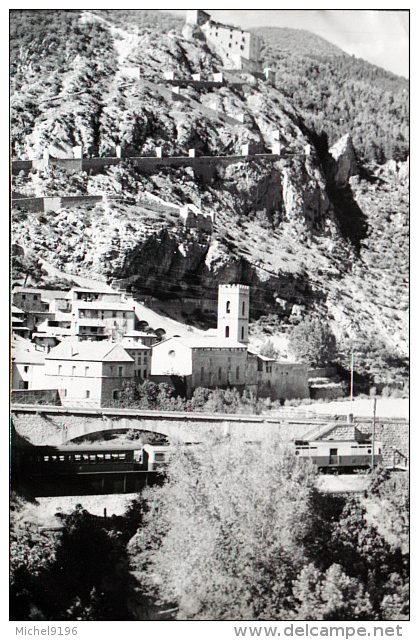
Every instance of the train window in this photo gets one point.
(54, 458)
(107, 456)
(77, 457)
(115, 457)
(85, 457)
(100, 457)
(62, 458)
(122, 456)
(46, 458)
(138, 456)
(92, 457)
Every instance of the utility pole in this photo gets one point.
(373, 431)
(351, 415)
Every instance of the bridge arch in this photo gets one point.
(144, 436)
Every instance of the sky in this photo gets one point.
(378, 36)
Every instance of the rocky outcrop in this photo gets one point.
(343, 163)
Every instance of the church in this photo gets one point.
(221, 358)
(216, 359)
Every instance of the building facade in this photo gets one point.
(206, 361)
(88, 373)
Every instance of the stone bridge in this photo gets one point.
(56, 425)
(41, 425)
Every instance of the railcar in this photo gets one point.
(335, 456)
(90, 458)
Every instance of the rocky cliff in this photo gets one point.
(302, 228)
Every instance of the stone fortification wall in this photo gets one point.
(39, 205)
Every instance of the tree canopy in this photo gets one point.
(313, 341)
(241, 532)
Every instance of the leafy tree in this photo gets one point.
(313, 342)
(224, 536)
(84, 574)
(331, 595)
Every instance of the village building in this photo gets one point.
(28, 369)
(100, 315)
(33, 303)
(29, 299)
(279, 379)
(192, 362)
(18, 322)
(88, 373)
(142, 336)
(139, 352)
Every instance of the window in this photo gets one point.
(73, 370)
(228, 306)
(86, 371)
(237, 373)
(145, 374)
(26, 368)
(242, 333)
(227, 332)
(24, 384)
(243, 308)
(115, 394)
(219, 373)
(229, 44)
(60, 369)
(113, 314)
(202, 373)
(87, 393)
(120, 371)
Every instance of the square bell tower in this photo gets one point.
(233, 312)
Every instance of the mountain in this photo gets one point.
(320, 230)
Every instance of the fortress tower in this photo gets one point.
(233, 312)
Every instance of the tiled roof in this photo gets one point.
(19, 356)
(207, 342)
(138, 346)
(86, 350)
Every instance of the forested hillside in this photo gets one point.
(337, 93)
(307, 246)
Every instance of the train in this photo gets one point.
(334, 456)
(104, 458)
(87, 459)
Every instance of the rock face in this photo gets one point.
(344, 165)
